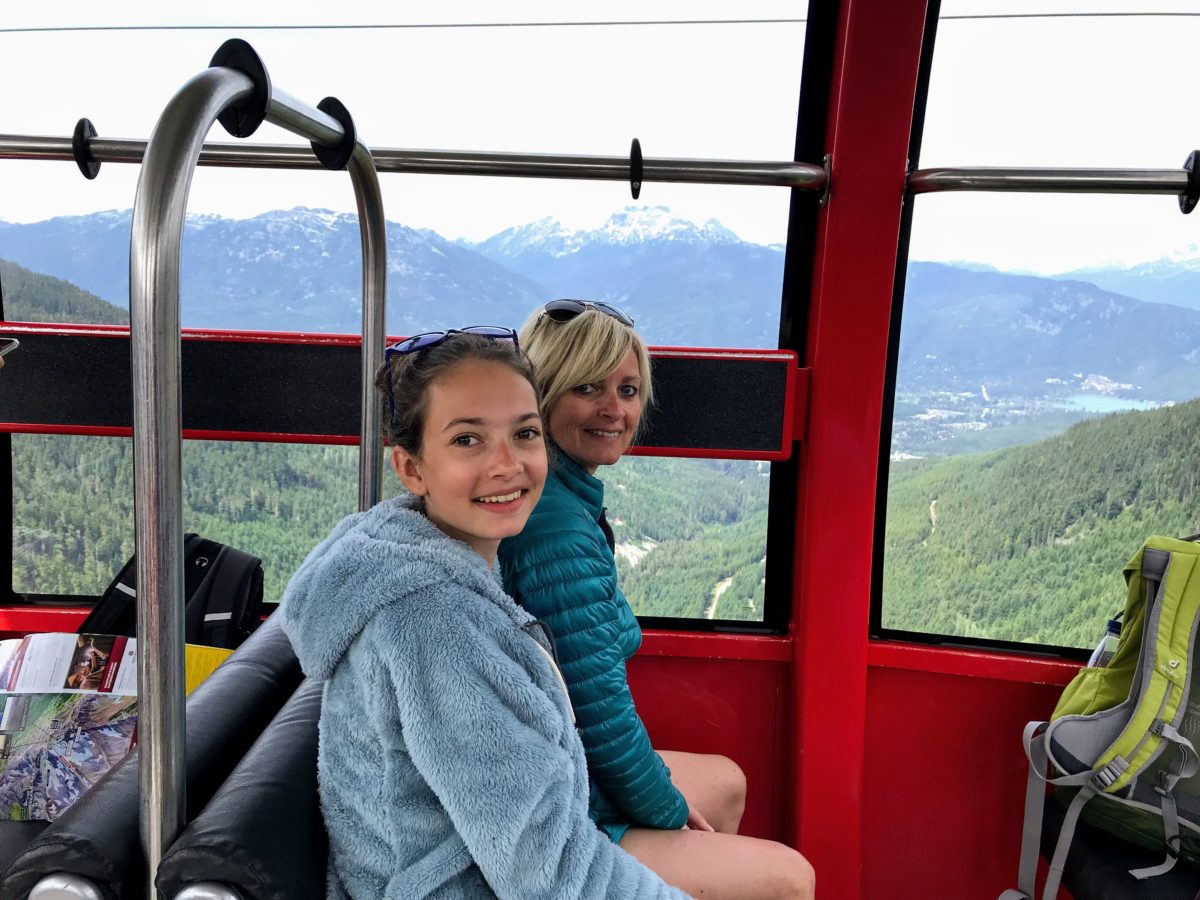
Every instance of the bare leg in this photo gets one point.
(713, 784)
(714, 866)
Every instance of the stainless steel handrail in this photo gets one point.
(299, 118)
(158, 214)
(802, 176)
(1065, 181)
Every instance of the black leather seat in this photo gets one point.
(261, 834)
(1098, 865)
(97, 838)
(15, 837)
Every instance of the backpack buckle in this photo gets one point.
(1106, 776)
(1172, 846)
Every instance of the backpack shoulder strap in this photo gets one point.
(116, 610)
(231, 590)
(1168, 567)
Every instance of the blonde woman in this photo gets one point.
(676, 812)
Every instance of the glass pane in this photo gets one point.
(283, 253)
(279, 251)
(691, 535)
(1047, 376)
(73, 517)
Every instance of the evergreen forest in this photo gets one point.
(691, 533)
(1023, 544)
(1028, 543)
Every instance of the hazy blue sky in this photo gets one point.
(1030, 91)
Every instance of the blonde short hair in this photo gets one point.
(582, 350)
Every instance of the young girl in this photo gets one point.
(449, 764)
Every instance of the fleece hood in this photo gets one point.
(370, 561)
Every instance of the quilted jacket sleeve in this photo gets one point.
(566, 578)
(499, 754)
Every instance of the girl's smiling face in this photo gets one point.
(482, 463)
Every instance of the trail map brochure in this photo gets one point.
(69, 716)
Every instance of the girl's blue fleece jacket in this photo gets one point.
(449, 764)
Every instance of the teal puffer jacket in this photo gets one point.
(561, 570)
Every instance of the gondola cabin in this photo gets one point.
(903, 445)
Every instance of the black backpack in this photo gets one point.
(223, 587)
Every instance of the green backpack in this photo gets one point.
(1118, 747)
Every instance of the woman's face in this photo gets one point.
(483, 456)
(594, 423)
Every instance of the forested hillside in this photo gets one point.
(1027, 544)
(1024, 544)
(684, 526)
(33, 297)
(74, 516)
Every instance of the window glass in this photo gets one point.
(691, 535)
(280, 251)
(1047, 371)
(73, 513)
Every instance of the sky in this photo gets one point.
(1078, 92)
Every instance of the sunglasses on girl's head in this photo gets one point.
(566, 310)
(419, 342)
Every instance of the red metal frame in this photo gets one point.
(708, 645)
(970, 663)
(18, 621)
(870, 113)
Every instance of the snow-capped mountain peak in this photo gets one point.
(638, 224)
(631, 225)
(543, 236)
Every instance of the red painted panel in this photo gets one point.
(18, 621)
(707, 645)
(971, 663)
(728, 706)
(944, 783)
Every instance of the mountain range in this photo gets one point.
(299, 270)
(1174, 280)
(1027, 335)
(684, 283)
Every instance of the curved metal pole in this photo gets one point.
(1059, 181)
(158, 212)
(170, 159)
(372, 229)
(302, 119)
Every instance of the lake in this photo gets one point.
(1102, 403)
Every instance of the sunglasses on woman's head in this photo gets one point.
(428, 339)
(566, 310)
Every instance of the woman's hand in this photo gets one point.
(696, 821)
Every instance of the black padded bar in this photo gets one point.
(717, 404)
(711, 403)
(262, 833)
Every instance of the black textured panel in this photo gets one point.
(68, 380)
(227, 386)
(717, 404)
